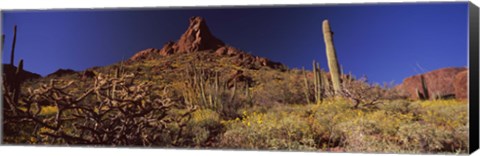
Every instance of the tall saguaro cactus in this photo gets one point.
(12, 56)
(2, 42)
(333, 64)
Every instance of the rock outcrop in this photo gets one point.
(167, 49)
(199, 38)
(145, 54)
(439, 83)
(461, 85)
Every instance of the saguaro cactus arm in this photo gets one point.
(333, 64)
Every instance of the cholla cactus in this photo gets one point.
(136, 115)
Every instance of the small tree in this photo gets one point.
(361, 93)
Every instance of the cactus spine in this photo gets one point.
(333, 64)
(12, 55)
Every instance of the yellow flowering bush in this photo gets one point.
(396, 126)
(273, 130)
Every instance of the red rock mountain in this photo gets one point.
(199, 38)
(440, 83)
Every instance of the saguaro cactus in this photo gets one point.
(2, 42)
(333, 64)
(12, 56)
(426, 95)
(17, 81)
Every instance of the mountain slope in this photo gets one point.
(197, 50)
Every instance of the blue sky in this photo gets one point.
(386, 42)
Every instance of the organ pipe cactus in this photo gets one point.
(333, 64)
(318, 84)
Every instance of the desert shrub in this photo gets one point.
(324, 120)
(278, 131)
(450, 119)
(113, 111)
(402, 106)
(278, 88)
(204, 129)
(396, 126)
(428, 138)
(372, 131)
(361, 93)
(445, 113)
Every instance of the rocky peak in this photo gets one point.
(197, 37)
